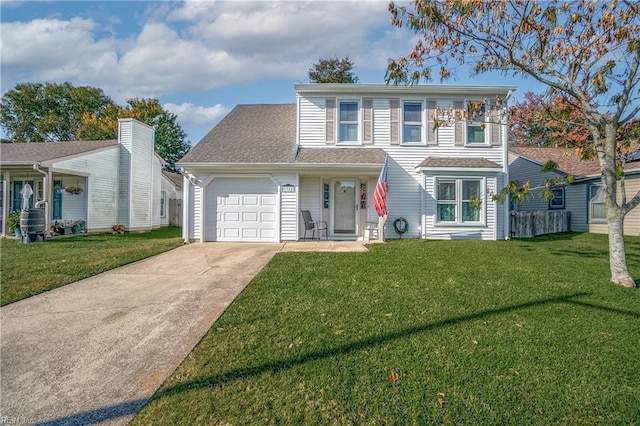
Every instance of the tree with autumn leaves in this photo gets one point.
(50, 112)
(586, 52)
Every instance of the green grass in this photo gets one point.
(29, 269)
(519, 332)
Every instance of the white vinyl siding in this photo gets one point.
(381, 122)
(288, 207)
(310, 199)
(97, 205)
(312, 128)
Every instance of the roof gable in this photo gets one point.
(252, 134)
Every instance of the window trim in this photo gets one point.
(358, 122)
(487, 135)
(404, 123)
(563, 194)
(459, 201)
(590, 205)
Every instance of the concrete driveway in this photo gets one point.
(94, 351)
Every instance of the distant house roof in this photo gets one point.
(33, 152)
(568, 161)
(175, 178)
(461, 162)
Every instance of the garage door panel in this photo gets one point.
(250, 200)
(268, 200)
(250, 217)
(267, 217)
(231, 201)
(241, 210)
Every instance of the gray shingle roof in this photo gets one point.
(249, 134)
(568, 161)
(340, 156)
(465, 162)
(175, 178)
(25, 153)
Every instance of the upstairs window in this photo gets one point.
(476, 123)
(412, 122)
(348, 116)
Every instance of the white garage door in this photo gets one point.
(241, 210)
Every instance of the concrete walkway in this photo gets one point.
(94, 351)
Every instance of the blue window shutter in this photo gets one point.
(17, 197)
(57, 201)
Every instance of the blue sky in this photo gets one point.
(201, 58)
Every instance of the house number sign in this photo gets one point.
(288, 188)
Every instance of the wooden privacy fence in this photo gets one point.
(539, 222)
(175, 212)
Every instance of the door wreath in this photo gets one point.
(401, 226)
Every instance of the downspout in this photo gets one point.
(507, 213)
(45, 195)
(5, 201)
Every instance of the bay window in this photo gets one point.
(459, 201)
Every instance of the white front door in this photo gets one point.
(345, 207)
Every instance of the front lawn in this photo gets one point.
(29, 269)
(424, 333)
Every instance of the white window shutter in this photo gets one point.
(460, 126)
(394, 109)
(367, 121)
(330, 121)
(432, 135)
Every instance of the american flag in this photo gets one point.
(380, 193)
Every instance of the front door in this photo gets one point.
(344, 207)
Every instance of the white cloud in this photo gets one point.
(198, 46)
(190, 115)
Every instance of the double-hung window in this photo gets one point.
(596, 203)
(348, 126)
(459, 201)
(476, 123)
(412, 122)
(557, 202)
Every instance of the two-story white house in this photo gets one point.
(249, 178)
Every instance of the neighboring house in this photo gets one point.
(252, 174)
(584, 197)
(171, 199)
(119, 181)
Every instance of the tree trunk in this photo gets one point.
(615, 214)
(617, 253)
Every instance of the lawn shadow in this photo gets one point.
(118, 410)
(564, 236)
